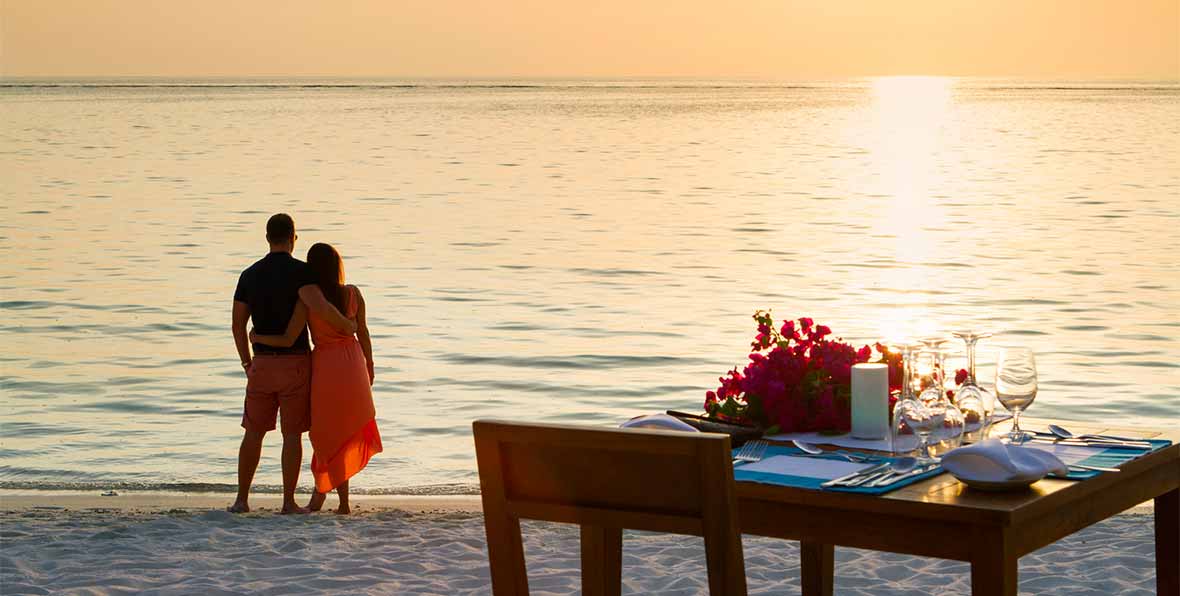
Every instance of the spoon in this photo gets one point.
(808, 448)
(1062, 433)
(811, 449)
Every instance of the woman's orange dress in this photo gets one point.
(343, 420)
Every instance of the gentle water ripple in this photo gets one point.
(577, 252)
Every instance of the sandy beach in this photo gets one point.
(161, 543)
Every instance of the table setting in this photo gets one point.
(811, 411)
(933, 454)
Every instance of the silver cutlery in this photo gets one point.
(902, 464)
(810, 449)
(1089, 443)
(1094, 468)
(752, 451)
(898, 477)
(853, 477)
(898, 466)
(1062, 433)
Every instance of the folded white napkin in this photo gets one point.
(993, 461)
(658, 421)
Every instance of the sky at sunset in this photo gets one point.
(776, 39)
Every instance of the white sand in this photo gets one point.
(436, 546)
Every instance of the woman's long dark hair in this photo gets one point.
(328, 270)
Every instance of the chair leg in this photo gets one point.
(727, 566)
(602, 561)
(506, 556)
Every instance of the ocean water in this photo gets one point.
(576, 252)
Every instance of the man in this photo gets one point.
(278, 379)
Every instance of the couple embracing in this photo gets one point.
(326, 391)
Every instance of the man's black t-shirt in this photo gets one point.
(271, 288)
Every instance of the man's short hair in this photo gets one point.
(280, 228)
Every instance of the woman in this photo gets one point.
(343, 423)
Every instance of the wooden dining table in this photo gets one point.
(941, 517)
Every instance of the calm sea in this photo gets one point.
(562, 251)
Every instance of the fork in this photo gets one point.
(752, 451)
(854, 457)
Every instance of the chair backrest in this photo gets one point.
(605, 480)
(640, 479)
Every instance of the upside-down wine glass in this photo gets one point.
(1016, 385)
(910, 412)
(971, 387)
(902, 438)
(949, 434)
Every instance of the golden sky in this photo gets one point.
(777, 39)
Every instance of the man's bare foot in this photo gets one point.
(293, 509)
(343, 510)
(238, 507)
(317, 501)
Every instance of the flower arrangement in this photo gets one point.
(798, 379)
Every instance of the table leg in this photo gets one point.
(993, 570)
(602, 561)
(1167, 543)
(819, 562)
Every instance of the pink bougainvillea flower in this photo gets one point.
(798, 381)
(788, 330)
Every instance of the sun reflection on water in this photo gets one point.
(909, 124)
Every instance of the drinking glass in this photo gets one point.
(949, 434)
(930, 385)
(1016, 385)
(970, 387)
(924, 419)
(974, 414)
(903, 437)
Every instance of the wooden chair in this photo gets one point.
(606, 480)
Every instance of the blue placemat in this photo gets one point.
(1113, 456)
(741, 475)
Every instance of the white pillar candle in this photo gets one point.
(870, 400)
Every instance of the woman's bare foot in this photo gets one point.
(343, 509)
(317, 501)
(238, 507)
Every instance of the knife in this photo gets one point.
(890, 479)
(854, 475)
(1089, 443)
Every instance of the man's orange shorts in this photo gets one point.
(278, 383)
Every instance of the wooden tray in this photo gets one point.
(738, 433)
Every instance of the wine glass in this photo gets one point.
(924, 419)
(970, 388)
(919, 417)
(1016, 385)
(903, 437)
(949, 434)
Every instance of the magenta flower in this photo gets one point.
(801, 383)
